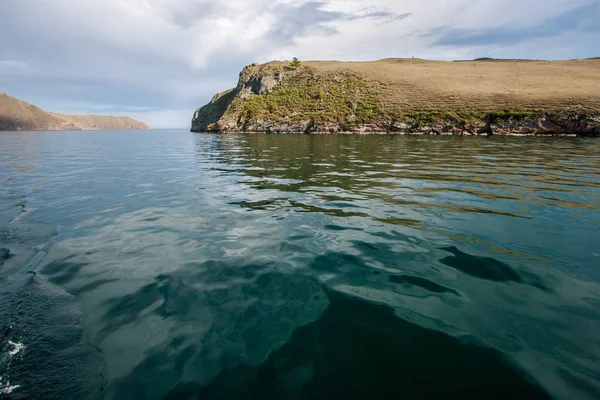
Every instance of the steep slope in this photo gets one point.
(17, 115)
(411, 96)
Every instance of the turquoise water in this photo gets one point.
(168, 264)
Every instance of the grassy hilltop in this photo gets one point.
(17, 115)
(409, 95)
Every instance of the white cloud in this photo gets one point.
(174, 54)
(163, 119)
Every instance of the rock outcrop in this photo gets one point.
(410, 97)
(17, 115)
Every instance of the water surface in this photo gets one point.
(174, 265)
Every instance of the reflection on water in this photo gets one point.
(359, 350)
(177, 265)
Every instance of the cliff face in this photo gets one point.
(411, 97)
(17, 115)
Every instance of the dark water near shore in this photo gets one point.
(173, 265)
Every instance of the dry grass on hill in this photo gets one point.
(18, 115)
(93, 122)
(404, 85)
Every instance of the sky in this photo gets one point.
(159, 60)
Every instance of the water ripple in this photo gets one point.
(303, 266)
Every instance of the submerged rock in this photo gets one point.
(5, 255)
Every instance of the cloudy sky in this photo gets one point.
(158, 60)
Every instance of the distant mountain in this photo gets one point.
(102, 122)
(17, 115)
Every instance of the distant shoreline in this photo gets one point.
(19, 116)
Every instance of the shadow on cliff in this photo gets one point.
(213, 111)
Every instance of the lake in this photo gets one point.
(175, 265)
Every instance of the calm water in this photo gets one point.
(174, 265)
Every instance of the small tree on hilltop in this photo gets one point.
(295, 63)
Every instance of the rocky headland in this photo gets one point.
(411, 96)
(17, 115)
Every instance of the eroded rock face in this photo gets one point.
(562, 123)
(555, 124)
(259, 84)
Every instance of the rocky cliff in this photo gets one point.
(411, 97)
(17, 115)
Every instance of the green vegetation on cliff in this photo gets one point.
(304, 96)
(412, 96)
